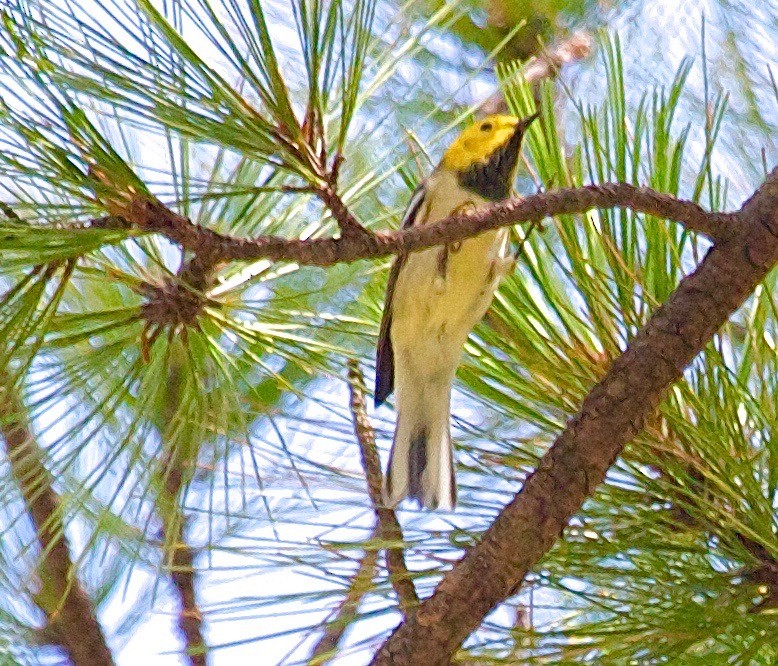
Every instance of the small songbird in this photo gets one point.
(433, 300)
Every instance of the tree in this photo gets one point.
(189, 293)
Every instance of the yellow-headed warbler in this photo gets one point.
(433, 300)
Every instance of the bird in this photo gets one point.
(434, 298)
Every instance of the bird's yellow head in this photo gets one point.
(485, 155)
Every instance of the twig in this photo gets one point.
(108, 222)
(611, 415)
(337, 162)
(172, 307)
(346, 613)
(390, 530)
(70, 614)
(9, 212)
(181, 559)
(153, 216)
(546, 65)
(179, 555)
(297, 189)
(328, 193)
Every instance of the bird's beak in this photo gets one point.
(503, 164)
(524, 123)
(512, 148)
(514, 145)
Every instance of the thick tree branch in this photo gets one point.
(389, 527)
(153, 216)
(69, 610)
(611, 415)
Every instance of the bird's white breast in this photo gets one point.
(437, 301)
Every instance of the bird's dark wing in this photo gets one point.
(384, 362)
(384, 371)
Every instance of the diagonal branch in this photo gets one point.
(389, 528)
(69, 611)
(153, 216)
(611, 415)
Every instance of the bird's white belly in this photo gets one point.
(437, 301)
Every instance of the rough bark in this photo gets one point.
(611, 415)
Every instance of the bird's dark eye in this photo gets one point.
(486, 127)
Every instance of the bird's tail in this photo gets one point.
(421, 463)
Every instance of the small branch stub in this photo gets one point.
(348, 224)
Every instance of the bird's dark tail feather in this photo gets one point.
(421, 461)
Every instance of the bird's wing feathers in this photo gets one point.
(411, 214)
(384, 374)
(384, 363)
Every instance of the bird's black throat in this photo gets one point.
(493, 179)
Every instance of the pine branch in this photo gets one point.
(174, 472)
(389, 527)
(174, 303)
(611, 415)
(763, 569)
(70, 614)
(153, 216)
